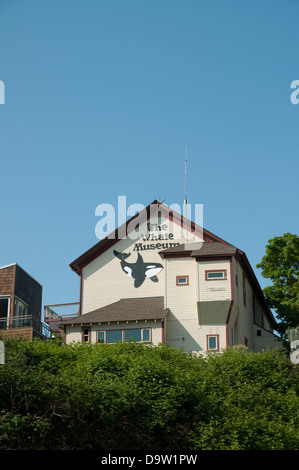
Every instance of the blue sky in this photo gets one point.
(101, 98)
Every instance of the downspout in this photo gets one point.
(162, 322)
(231, 302)
(80, 294)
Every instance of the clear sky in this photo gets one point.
(101, 98)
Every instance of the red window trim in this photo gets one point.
(185, 283)
(123, 333)
(89, 334)
(217, 349)
(216, 271)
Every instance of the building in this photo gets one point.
(20, 304)
(172, 283)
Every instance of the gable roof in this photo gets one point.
(135, 309)
(111, 239)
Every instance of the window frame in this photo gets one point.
(123, 340)
(83, 335)
(182, 283)
(208, 271)
(217, 342)
(5, 320)
(21, 309)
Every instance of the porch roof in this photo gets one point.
(135, 309)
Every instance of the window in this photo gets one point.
(4, 309)
(113, 336)
(85, 335)
(213, 342)
(20, 313)
(182, 280)
(216, 275)
(139, 335)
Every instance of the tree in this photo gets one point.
(281, 265)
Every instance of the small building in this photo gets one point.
(172, 283)
(20, 304)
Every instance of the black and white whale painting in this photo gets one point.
(139, 271)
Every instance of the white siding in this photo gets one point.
(214, 289)
(184, 328)
(74, 333)
(104, 282)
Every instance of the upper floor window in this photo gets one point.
(4, 312)
(216, 274)
(182, 280)
(20, 308)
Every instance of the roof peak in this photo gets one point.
(127, 227)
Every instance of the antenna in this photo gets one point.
(186, 202)
(185, 212)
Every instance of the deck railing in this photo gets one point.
(27, 321)
(59, 311)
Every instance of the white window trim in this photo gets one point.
(217, 342)
(8, 309)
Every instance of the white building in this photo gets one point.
(171, 285)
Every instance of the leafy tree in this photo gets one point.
(281, 265)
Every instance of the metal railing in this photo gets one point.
(62, 311)
(40, 329)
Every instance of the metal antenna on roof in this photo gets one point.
(186, 202)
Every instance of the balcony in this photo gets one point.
(54, 314)
(27, 326)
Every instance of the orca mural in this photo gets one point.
(140, 270)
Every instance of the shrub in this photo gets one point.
(130, 396)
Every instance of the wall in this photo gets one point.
(26, 333)
(74, 334)
(104, 281)
(7, 276)
(182, 321)
(214, 289)
(29, 291)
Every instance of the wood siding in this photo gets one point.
(104, 281)
(29, 291)
(7, 280)
(74, 334)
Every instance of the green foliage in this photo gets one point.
(281, 265)
(131, 396)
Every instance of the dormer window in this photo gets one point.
(216, 275)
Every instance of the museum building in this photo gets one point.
(168, 281)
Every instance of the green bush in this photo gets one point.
(130, 396)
